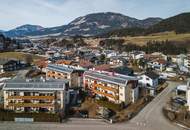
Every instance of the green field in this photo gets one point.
(17, 55)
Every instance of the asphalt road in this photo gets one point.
(150, 118)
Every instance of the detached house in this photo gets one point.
(10, 65)
(149, 80)
(158, 64)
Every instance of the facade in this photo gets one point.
(10, 65)
(35, 96)
(115, 87)
(187, 62)
(70, 73)
(158, 64)
(149, 80)
(188, 95)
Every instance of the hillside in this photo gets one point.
(22, 30)
(89, 25)
(178, 23)
(142, 40)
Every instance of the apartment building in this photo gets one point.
(115, 87)
(35, 96)
(71, 73)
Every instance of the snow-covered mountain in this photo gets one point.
(22, 30)
(89, 25)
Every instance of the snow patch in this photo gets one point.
(103, 26)
(85, 29)
(82, 20)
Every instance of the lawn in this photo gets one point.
(18, 55)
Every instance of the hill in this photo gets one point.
(178, 24)
(22, 30)
(89, 25)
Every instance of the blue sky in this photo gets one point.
(49, 13)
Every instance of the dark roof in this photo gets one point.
(35, 85)
(152, 75)
(123, 70)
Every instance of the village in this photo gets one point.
(89, 82)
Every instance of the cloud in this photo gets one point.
(58, 12)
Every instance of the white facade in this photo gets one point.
(147, 81)
(188, 95)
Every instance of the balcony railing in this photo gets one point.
(106, 88)
(30, 105)
(106, 94)
(32, 97)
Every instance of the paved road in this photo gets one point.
(150, 118)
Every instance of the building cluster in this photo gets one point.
(102, 74)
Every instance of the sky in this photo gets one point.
(50, 13)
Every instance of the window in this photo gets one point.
(147, 79)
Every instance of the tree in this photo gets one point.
(28, 59)
(102, 58)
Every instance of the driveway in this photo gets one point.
(150, 118)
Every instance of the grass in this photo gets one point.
(142, 40)
(18, 55)
(171, 36)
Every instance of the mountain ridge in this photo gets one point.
(89, 25)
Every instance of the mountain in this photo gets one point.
(22, 30)
(90, 25)
(178, 24)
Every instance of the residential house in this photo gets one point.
(10, 65)
(157, 64)
(118, 61)
(149, 80)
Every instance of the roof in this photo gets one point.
(182, 87)
(109, 77)
(22, 85)
(60, 68)
(85, 64)
(42, 63)
(152, 75)
(103, 67)
(123, 70)
(65, 62)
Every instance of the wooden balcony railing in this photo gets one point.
(30, 105)
(32, 97)
(106, 94)
(106, 88)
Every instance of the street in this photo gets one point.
(150, 118)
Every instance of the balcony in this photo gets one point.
(30, 105)
(106, 88)
(32, 97)
(106, 94)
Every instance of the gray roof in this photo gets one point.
(22, 85)
(59, 68)
(114, 79)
